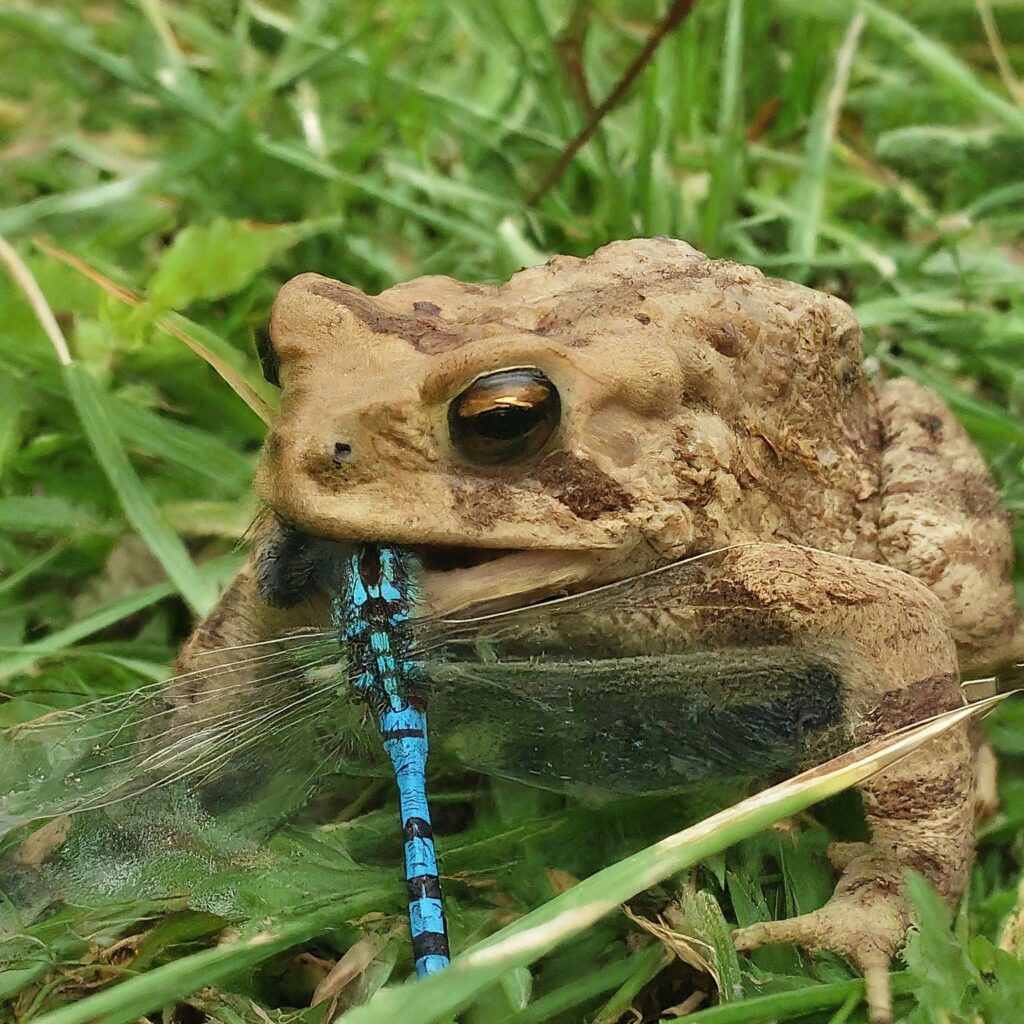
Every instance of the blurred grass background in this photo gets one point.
(201, 153)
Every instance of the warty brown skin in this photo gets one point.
(703, 405)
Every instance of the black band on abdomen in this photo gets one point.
(402, 734)
(430, 944)
(423, 887)
(418, 828)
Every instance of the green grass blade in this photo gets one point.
(30, 568)
(214, 574)
(96, 197)
(644, 968)
(791, 1005)
(53, 643)
(125, 1003)
(138, 506)
(727, 173)
(809, 194)
(937, 60)
(580, 990)
(303, 160)
(76, 37)
(88, 400)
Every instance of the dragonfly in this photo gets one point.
(611, 692)
(369, 616)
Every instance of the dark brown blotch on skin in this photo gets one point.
(210, 633)
(735, 613)
(850, 378)
(425, 333)
(979, 498)
(587, 491)
(273, 445)
(728, 592)
(910, 487)
(725, 340)
(322, 468)
(548, 322)
(904, 802)
(318, 463)
(915, 702)
(873, 883)
(932, 425)
(934, 868)
(740, 627)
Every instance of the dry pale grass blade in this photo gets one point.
(357, 958)
(30, 289)
(687, 948)
(232, 377)
(999, 55)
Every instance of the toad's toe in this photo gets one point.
(866, 929)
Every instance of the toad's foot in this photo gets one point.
(865, 925)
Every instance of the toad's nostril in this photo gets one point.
(341, 451)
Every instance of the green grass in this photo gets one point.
(875, 155)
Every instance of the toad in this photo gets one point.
(594, 419)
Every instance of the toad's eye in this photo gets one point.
(268, 360)
(504, 416)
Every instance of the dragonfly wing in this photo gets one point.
(181, 788)
(245, 720)
(639, 724)
(637, 687)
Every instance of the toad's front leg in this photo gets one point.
(900, 666)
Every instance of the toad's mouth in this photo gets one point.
(452, 557)
(476, 580)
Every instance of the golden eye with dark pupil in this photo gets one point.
(504, 416)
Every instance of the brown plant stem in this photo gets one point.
(674, 17)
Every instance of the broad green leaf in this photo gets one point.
(226, 360)
(209, 261)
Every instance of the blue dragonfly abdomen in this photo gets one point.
(370, 615)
